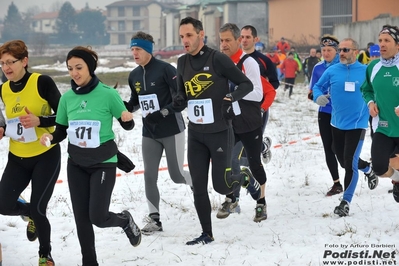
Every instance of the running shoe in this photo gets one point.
(247, 174)
(227, 207)
(151, 227)
(132, 230)
(204, 238)
(335, 189)
(266, 152)
(260, 213)
(372, 179)
(31, 232)
(46, 260)
(342, 209)
(254, 189)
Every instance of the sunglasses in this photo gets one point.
(345, 50)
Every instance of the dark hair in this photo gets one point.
(87, 54)
(197, 24)
(232, 28)
(143, 36)
(252, 28)
(16, 48)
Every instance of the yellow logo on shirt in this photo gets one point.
(198, 84)
(137, 87)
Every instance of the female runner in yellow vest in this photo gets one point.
(30, 101)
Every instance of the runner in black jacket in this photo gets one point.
(202, 82)
(153, 85)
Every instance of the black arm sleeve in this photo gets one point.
(225, 66)
(171, 79)
(180, 100)
(59, 134)
(48, 90)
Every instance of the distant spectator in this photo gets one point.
(318, 54)
(374, 52)
(290, 69)
(260, 46)
(297, 58)
(310, 62)
(273, 56)
(283, 46)
(205, 39)
(364, 57)
(282, 57)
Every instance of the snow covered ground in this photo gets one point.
(301, 228)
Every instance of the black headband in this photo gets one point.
(392, 31)
(87, 57)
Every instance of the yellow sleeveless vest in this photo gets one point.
(15, 103)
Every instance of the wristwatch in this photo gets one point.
(164, 112)
(228, 95)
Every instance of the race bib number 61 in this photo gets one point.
(200, 111)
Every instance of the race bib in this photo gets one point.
(148, 104)
(200, 111)
(84, 133)
(17, 132)
(236, 108)
(350, 86)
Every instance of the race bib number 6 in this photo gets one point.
(84, 133)
(17, 132)
(200, 111)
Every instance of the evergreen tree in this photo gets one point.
(15, 27)
(91, 27)
(66, 23)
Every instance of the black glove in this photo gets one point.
(178, 101)
(124, 163)
(227, 110)
(152, 120)
(128, 125)
(310, 95)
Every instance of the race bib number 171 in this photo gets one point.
(84, 133)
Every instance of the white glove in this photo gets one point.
(322, 100)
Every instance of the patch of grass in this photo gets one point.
(62, 76)
(42, 60)
(107, 78)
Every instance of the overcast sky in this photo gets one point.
(46, 5)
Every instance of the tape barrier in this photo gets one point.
(277, 146)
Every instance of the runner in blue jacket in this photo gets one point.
(349, 117)
(329, 46)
